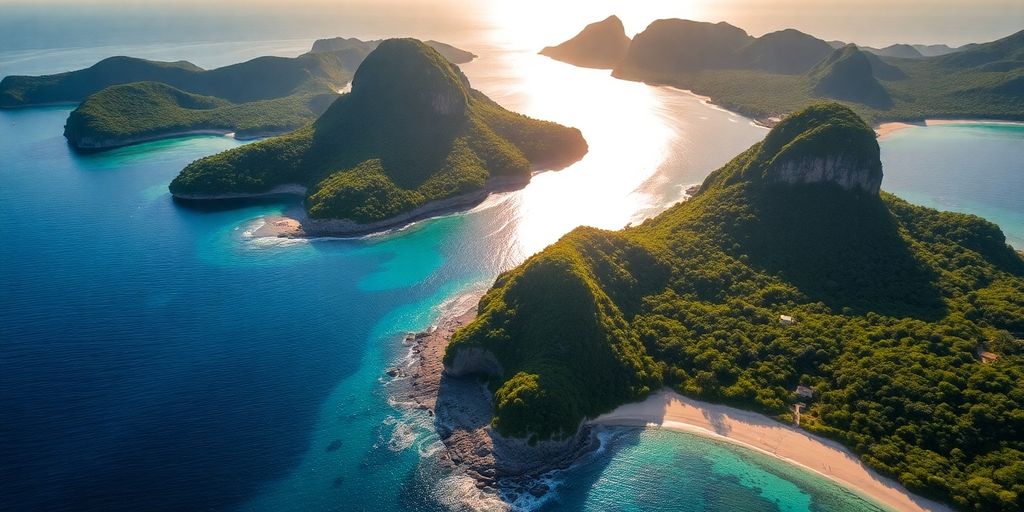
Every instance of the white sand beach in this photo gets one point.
(667, 409)
(886, 129)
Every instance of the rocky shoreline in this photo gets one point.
(462, 410)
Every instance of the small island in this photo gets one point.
(788, 285)
(600, 45)
(411, 140)
(125, 100)
(769, 76)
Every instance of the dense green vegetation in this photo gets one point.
(125, 113)
(600, 45)
(258, 79)
(847, 74)
(126, 100)
(772, 75)
(411, 131)
(787, 52)
(892, 303)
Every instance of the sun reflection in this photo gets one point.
(544, 22)
(627, 144)
(646, 143)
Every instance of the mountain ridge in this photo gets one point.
(768, 77)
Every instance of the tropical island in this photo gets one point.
(788, 280)
(780, 72)
(411, 140)
(126, 100)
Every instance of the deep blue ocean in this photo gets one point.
(155, 356)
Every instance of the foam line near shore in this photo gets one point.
(670, 410)
(885, 129)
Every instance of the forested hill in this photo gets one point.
(411, 132)
(780, 72)
(258, 79)
(892, 305)
(325, 69)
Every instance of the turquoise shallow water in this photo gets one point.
(660, 470)
(972, 168)
(154, 356)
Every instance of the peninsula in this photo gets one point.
(411, 140)
(780, 72)
(788, 280)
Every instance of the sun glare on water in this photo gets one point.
(544, 22)
(627, 144)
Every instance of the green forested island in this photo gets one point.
(892, 305)
(125, 114)
(777, 73)
(411, 137)
(125, 100)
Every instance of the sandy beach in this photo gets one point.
(462, 410)
(278, 226)
(667, 409)
(886, 129)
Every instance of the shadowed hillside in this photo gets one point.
(600, 45)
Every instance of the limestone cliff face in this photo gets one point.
(473, 361)
(847, 171)
(824, 143)
(448, 102)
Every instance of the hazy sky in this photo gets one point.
(868, 22)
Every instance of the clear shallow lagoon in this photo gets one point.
(153, 356)
(971, 168)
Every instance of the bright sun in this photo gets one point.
(539, 22)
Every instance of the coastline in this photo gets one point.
(770, 120)
(669, 410)
(462, 407)
(289, 189)
(300, 225)
(85, 144)
(885, 129)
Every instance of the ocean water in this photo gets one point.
(975, 168)
(156, 357)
